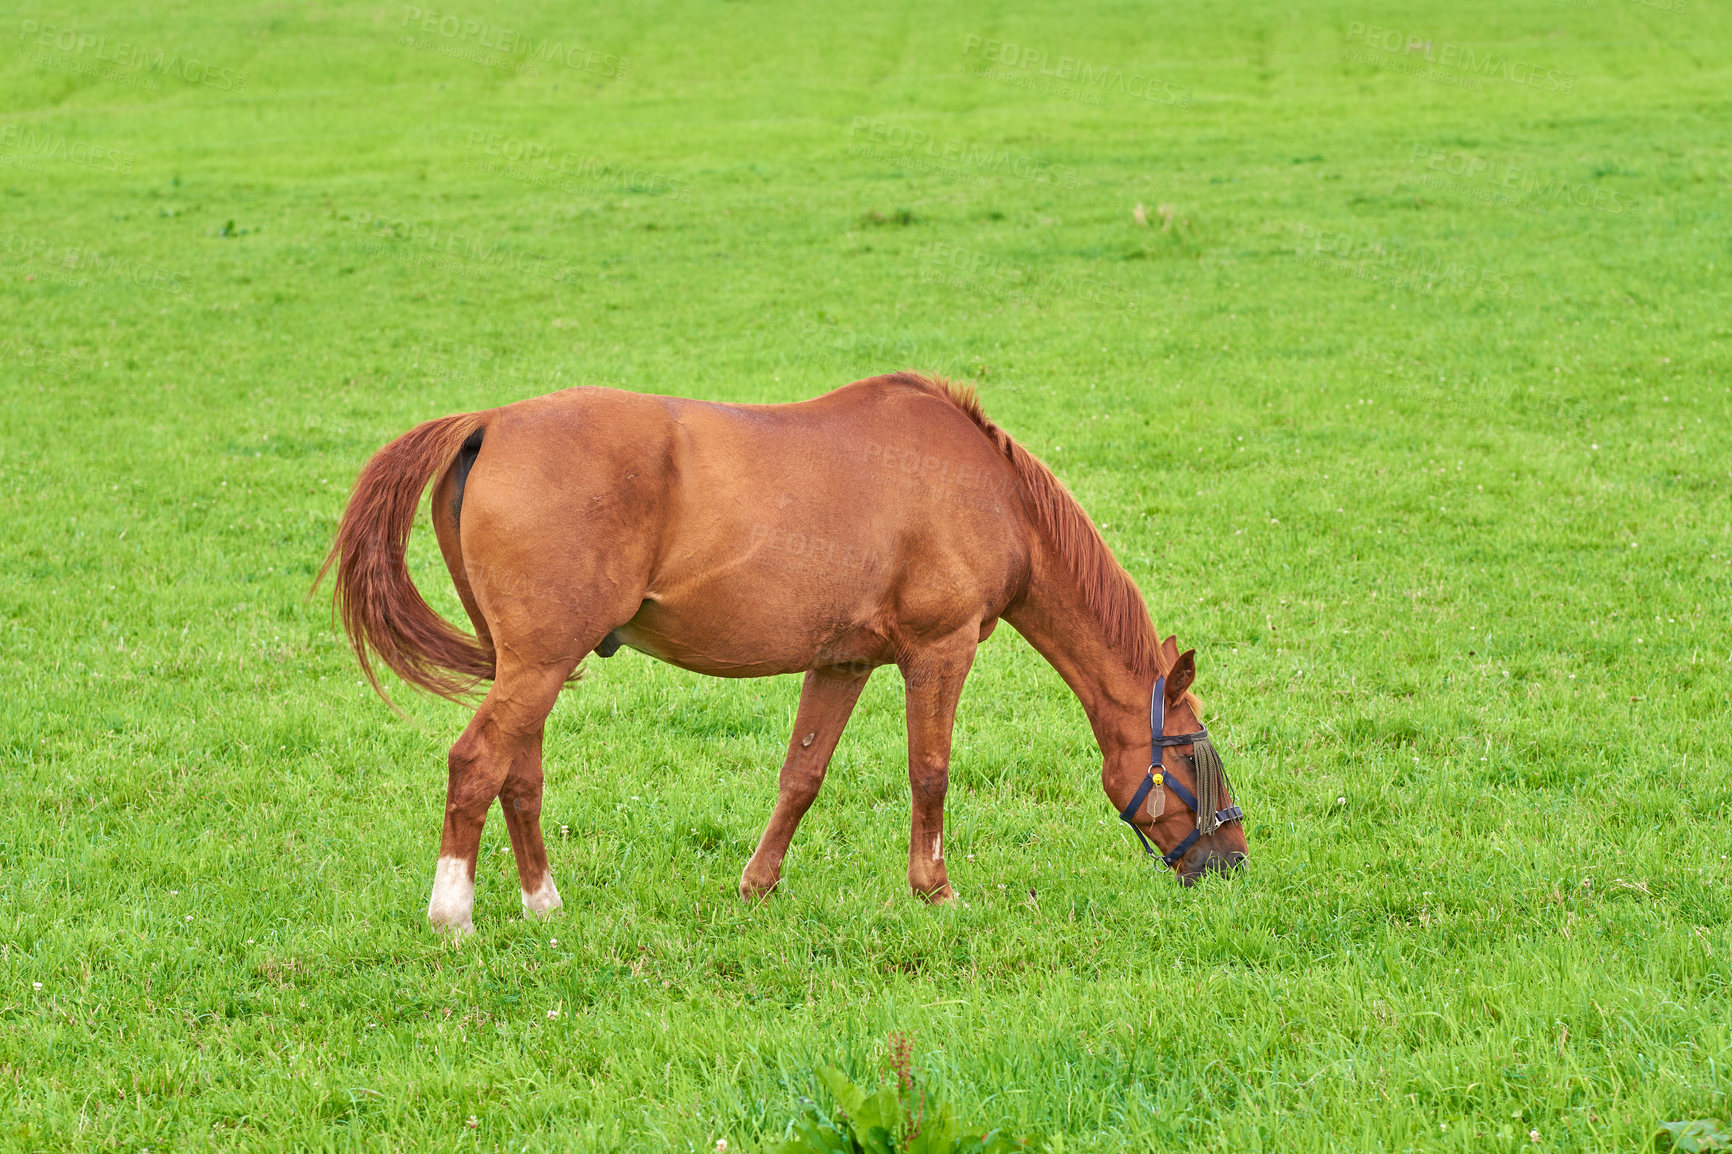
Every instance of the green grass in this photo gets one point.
(1410, 411)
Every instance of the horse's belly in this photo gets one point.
(734, 641)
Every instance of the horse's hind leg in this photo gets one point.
(501, 744)
(934, 677)
(826, 700)
(520, 798)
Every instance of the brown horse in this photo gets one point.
(888, 522)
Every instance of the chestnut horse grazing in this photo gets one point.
(888, 522)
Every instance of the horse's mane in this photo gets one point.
(1107, 590)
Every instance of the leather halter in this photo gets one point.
(1160, 740)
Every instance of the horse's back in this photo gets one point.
(748, 539)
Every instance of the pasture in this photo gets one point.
(1406, 401)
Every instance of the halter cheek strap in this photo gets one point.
(1160, 740)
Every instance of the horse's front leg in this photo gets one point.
(826, 700)
(934, 677)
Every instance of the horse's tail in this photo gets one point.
(382, 611)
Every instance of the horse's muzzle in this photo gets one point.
(1225, 864)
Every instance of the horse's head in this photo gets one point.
(1185, 802)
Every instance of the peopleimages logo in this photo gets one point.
(1519, 186)
(466, 32)
(970, 154)
(427, 246)
(97, 49)
(534, 163)
(76, 266)
(25, 146)
(1106, 78)
(1460, 58)
(1380, 260)
(974, 271)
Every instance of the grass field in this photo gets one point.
(1408, 405)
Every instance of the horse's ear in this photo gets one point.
(1180, 676)
(1170, 650)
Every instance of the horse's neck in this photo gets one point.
(1054, 618)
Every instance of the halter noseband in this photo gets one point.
(1157, 724)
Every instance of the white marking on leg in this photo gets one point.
(937, 847)
(453, 902)
(544, 900)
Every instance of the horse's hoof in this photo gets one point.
(453, 901)
(456, 931)
(942, 896)
(754, 892)
(543, 901)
